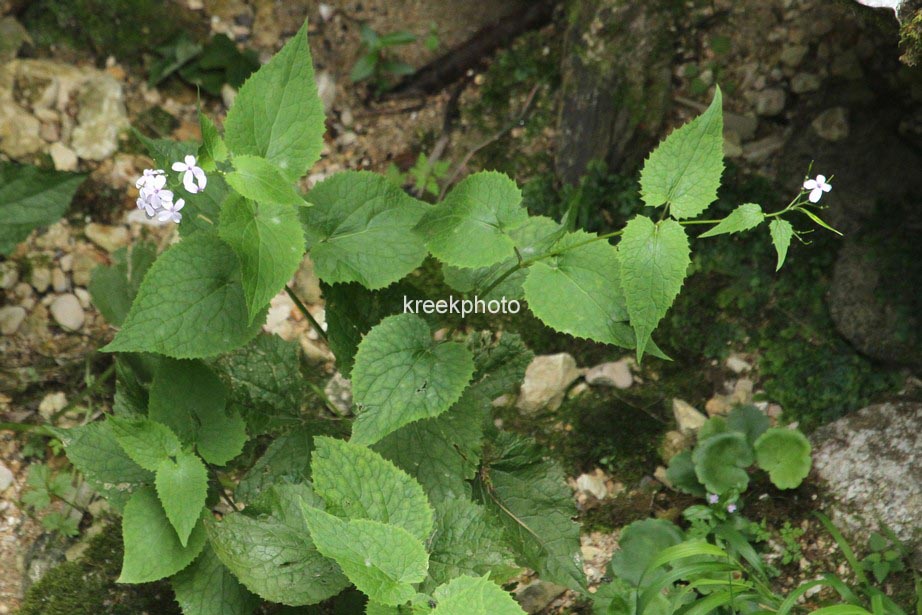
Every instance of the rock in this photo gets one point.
(6, 477)
(306, 282)
(871, 461)
(793, 55)
(109, 238)
(832, 124)
(326, 89)
(9, 275)
(19, 131)
(40, 278)
(761, 150)
(801, 83)
(58, 280)
(660, 474)
(12, 37)
(593, 484)
(535, 596)
(228, 95)
(674, 442)
(67, 312)
(719, 405)
(51, 404)
(546, 382)
(737, 364)
(614, 374)
(770, 102)
(64, 158)
(101, 117)
(742, 392)
(688, 419)
(339, 391)
(743, 125)
(84, 263)
(11, 316)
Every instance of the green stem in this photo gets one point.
(325, 399)
(96, 384)
(25, 428)
(303, 309)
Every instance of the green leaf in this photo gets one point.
(401, 375)
(357, 483)
(579, 291)
(203, 209)
(468, 595)
(182, 484)
(681, 474)
(530, 497)
(191, 304)
(286, 461)
(721, 462)
(190, 398)
(396, 38)
(785, 455)
(147, 442)
(352, 311)
(654, 260)
(213, 148)
(269, 242)
(364, 67)
(499, 366)
(31, 197)
(746, 216)
(640, 542)
(684, 171)
(152, 549)
(264, 382)
(466, 541)
(208, 588)
(94, 450)
(277, 113)
(273, 554)
(361, 229)
(471, 227)
(818, 220)
(259, 180)
(441, 453)
(782, 232)
(382, 561)
(114, 287)
(748, 420)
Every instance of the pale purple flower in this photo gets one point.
(731, 508)
(192, 174)
(170, 211)
(146, 178)
(713, 498)
(817, 187)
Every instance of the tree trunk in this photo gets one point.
(616, 84)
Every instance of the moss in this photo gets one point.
(87, 586)
(911, 39)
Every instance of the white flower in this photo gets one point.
(147, 177)
(170, 211)
(713, 498)
(192, 174)
(817, 187)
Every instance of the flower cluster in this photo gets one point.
(156, 201)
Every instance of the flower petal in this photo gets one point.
(815, 195)
(179, 204)
(199, 177)
(810, 184)
(821, 179)
(190, 160)
(178, 166)
(188, 182)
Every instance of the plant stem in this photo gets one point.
(303, 309)
(96, 384)
(25, 428)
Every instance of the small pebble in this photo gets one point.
(67, 312)
(11, 317)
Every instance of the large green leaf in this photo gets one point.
(357, 483)
(182, 484)
(361, 229)
(785, 455)
(259, 180)
(277, 113)
(383, 561)
(147, 442)
(114, 287)
(441, 452)
(684, 171)
(743, 218)
(94, 450)
(781, 233)
(401, 375)
(639, 543)
(466, 541)
(208, 588)
(681, 474)
(31, 197)
(191, 399)
(467, 595)
(530, 497)
(499, 365)
(471, 227)
(579, 291)
(286, 461)
(152, 548)
(264, 381)
(654, 260)
(268, 240)
(748, 420)
(273, 554)
(213, 148)
(191, 303)
(721, 462)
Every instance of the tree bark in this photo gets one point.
(616, 84)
